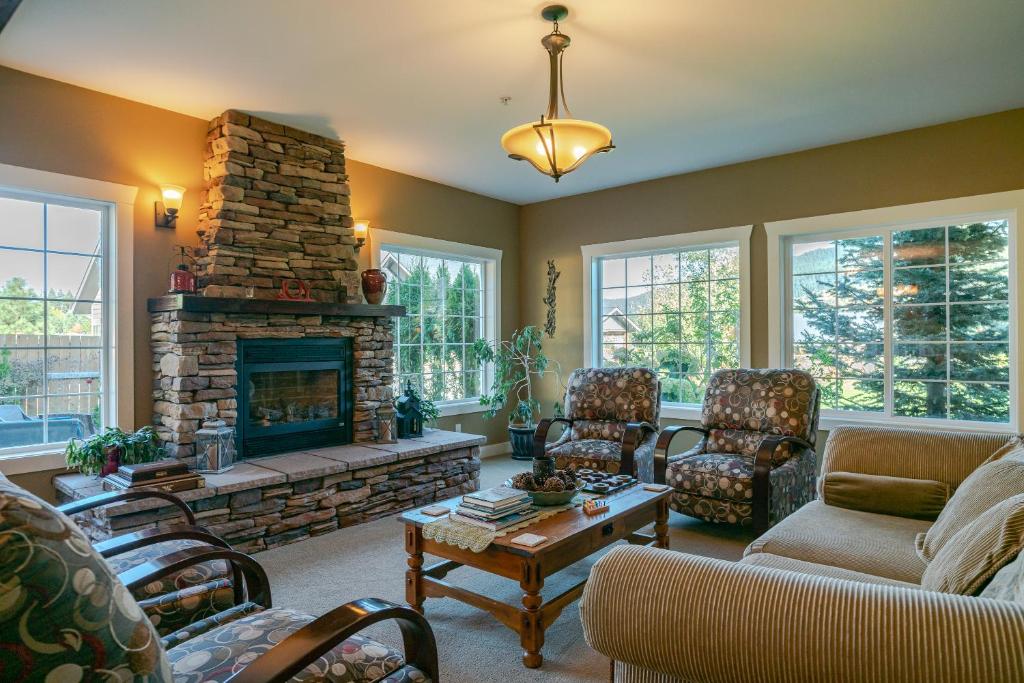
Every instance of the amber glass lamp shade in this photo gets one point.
(557, 146)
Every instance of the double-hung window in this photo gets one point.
(54, 331)
(674, 304)
(912, 321)
(450, 293)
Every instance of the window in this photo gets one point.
(449, 292)
(676, 308)
(53, 332)
(912, 322)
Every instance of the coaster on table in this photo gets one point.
(658, 488)
(529, 540)
(435, 510)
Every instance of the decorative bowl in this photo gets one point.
(547, 498)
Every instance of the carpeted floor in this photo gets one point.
(369, 561)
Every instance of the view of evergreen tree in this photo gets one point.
(676, 312)
(433, 342)
(950, 321)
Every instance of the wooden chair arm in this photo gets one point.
(661, 448)
(256, 582)
(294, 653)
(761, 480)
(111, 497)
(540, 437)
(146, 537)
(631, 440)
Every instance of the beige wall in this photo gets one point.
(974, 156)
(53, 126)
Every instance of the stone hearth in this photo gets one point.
(281, 499)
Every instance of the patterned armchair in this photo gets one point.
(612, 422)
(755, 461)
(65, 616)
(177, 600)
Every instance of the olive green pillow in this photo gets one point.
(974, 554)
(899, 496)
(990, 484)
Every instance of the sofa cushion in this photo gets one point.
(219, 653)
(915, 498)
(789, 564)
(1008, 583)
(882, 545)
(988, 485)
(974, 554)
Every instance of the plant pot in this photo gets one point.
(113, 454)
(521, 438)
(375, 285)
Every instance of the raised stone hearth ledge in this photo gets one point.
(218, 304)
(271, 501)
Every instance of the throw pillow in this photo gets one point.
(975, 553)
(986, 486)
(1012, 448)
(1008, 583)
(900, 496)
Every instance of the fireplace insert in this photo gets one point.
(293, 394)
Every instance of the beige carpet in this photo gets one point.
(369, 561)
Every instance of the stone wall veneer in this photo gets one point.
(275, 207)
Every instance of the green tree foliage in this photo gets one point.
(21, 311)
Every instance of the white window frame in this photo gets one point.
(738, 236)
(118, 358)
(490, 263)
(996, 206)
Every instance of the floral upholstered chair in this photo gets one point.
(755, 461)
(178, 600)
(612, 422)
(65, 616)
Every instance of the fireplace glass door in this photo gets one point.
(294, 394)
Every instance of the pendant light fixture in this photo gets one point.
(556, 146)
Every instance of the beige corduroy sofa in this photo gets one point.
(829, 594)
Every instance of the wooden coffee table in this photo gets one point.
(572, 536)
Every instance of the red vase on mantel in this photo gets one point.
(375, 285)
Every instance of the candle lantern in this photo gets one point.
(215, 447)
(183, 280)
(387, 427)
(410, 415)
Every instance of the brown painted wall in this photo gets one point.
(53, 126)
(973, 156)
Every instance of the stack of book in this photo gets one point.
(164, 475)
(495, 508)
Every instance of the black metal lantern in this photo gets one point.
(410, 415)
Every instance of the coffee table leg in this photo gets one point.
(413, 576)
(531, 631)
(661, 524)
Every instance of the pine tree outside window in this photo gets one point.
(911, 322)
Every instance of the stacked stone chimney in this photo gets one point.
(275, 207)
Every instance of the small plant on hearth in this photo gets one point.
(104, 453)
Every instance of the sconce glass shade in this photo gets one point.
(172, 196)
(557, 146)
(361, 227)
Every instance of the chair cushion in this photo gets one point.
(220, 652)
(882, 545)
(59, 600)
(990, 484)
(789, 564)
(184, 597)
(974, 554)
(630, 394)
(781, 402)
(605, 456)
(724, 476)
(594, 449)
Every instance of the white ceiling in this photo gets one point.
(414, 86)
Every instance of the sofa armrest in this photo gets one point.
(929, 454)
(665, 611)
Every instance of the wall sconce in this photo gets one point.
(361, 230)
(167, 210)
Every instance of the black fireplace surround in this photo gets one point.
(293, 394)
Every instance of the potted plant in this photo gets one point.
(102, 454)
(519, 362)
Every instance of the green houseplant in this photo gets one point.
(519, 363)
(103, 453)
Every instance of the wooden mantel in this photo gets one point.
(211, 304)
